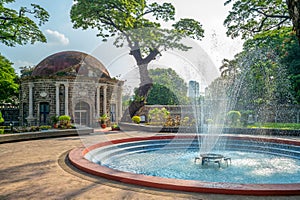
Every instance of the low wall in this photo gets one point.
(248, 131)
(262, 131)
(15, 137)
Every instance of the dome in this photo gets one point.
(70, 63)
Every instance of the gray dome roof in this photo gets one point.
(70, 63)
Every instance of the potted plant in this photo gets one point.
(64, 121)
(54, 120)
(103, 119)
(115, 127)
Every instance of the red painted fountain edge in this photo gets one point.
(76, 157)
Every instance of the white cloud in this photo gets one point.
(21, 63)
(57, 37)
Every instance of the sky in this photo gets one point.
(62, 37)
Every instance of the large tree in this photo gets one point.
(249, 17)
(8, 79)
(137, 24)
(17, 28)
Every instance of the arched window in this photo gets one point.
(82, 114)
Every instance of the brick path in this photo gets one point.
(36, 170)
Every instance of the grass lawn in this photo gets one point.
(287, 126)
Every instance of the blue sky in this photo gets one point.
(61, 36)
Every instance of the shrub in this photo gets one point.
(54, 119)
(45, 127)
(1, 118)
(64, 121)
(136, 119)
(209, 121)
(33, 128)
(159, 116)
(234, 117)
(1, 131)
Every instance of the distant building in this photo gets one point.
(194, 90)
(69, 83)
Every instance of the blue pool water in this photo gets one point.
(251, 161)
(245, 167)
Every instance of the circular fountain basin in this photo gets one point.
(99, 160)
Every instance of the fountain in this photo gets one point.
(208, 161)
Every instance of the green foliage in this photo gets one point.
(115, 126)
(1, 131)
(1, 118)
(136, 24)
(17, 28)
(249, 17)
(103, 118)
(168, 88)
(245, 120)
(64, 118)
(161, 95)
(45, 127)
(284, 126)
(54, 119)
(158, 116)
(136, 119)
(233, 117)
(64, 121)
(121, 17)
(8, 82)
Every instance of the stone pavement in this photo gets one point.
(37, 169)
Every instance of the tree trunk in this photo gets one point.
(294, 12)
(143, 91)
(146, 81)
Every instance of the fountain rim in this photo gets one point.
(76, 157)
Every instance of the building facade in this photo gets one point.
(69, 83)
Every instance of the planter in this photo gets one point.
(103, 125)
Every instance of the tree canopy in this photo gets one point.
(249, 17)
(137, 24)
(8, 78)
(168, 88)
(17, 28)
(265, 74)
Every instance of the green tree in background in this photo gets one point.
(161, 95)
(283, 45)
(168, 88)
(137, 24)
(8, 82)
(17, 28)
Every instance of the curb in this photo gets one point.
(17, 137)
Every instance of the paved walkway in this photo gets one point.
(36, 169)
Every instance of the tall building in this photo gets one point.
(194, 90)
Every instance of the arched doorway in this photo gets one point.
(44, 113)
(82, 114)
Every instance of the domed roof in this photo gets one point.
(70, 63)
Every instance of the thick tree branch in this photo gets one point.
(269, 15)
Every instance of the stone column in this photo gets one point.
(57, 98)
(30, 118)
(119, 109)
(105, 99)
(66, 98)
(30, 86)
(97, 101)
